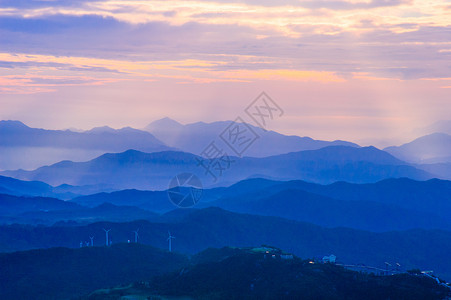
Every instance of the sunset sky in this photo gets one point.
(366, 71)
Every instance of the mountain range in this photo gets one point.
(428, 196)
(150, 171)
(22, 147)
(392, 204)
(297, 204)
(439, 126)
(12, 205)
(143, 272)
(258, 276)
(49, 211)
(197, 230)
(17, 134)
(25, 147)
(309, 197)
(18, 187)
(195, 137)
(428, 149)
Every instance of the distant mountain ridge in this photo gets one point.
(48, 211)
(11, 206)
(150, 171)
(16, 187)
(439, 126)
(15, 133)
(297, 204)
(391, 204)
(195, 137)
(432, 148)
(442, 170)
(427, 196)
(25, 147)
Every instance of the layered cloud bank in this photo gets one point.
(372, 69)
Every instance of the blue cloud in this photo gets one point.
(26, 4)
(331, 4)
(56, 23)
(59, 66)
(96, 36)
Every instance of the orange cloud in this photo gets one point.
(182, 71)
(31, 83)
(283, 74)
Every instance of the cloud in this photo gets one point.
(31, 84)
(332, 4)
(284, 75)
(351, 62)
(156, 39)
(352, 5)
(24, 4)
(53, 66)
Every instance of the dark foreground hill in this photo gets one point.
(213, 227)
(62, 273)
(249, 274)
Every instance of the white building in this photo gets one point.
(329, 259)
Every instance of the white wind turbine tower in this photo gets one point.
(106, 236)
(92, 241)
(136, 235)
(170, 241)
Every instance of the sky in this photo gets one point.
(368, 71)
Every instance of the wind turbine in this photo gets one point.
(387, 264)
(136, 235)
(170, 241)
(92, 241)
(106, 235)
